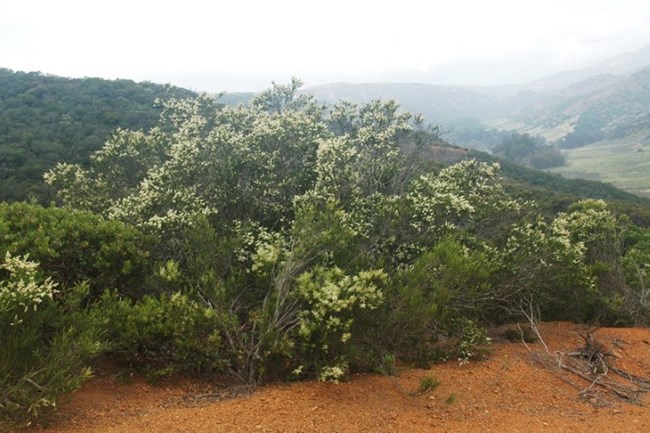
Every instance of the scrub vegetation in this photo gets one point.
(283, 239)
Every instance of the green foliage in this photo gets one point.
(636, 268)
(322, 241)
(592, 224)
(540, 260)
(544, 187)
(515, 147)
(423, 299)
(472, 339)
(465, 197)
(45, 119)
(224, 163)
(323, 233)
(521, 149)
(546, 157)
(163, 334)
(453, 398)
(428, 384)
(282, 238)
(74, 246)
(46, 344)
(281, 98)
(332, 301)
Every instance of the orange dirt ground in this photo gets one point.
(508, 392)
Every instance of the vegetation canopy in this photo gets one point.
(284, 239)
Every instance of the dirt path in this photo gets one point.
(506, 393)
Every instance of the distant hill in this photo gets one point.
(45, 119)
(623, 64)
(609, 98)
(236, 98)
(599, 108)
(438, 104)
(604, 106)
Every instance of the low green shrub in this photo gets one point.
(428, 384)
(470, 339)
(453, 398)
(425, 303)
(163, 334)
(73, 247)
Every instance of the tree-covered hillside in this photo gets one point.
(46, 119)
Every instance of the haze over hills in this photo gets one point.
(440, 103)
(604, 106)
(436, 103)
(607, 101)
(622, 64)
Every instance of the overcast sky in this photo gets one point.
(242, 45)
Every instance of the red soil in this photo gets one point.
(508, 392)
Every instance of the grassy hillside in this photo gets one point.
(623, 162)
(45, 119)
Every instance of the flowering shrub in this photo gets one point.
(321, 239)
(22, 292)
(332, 302)
(541, 260)
(45, 345)
(457, 197)
(73, 246)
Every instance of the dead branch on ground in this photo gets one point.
(591, 369)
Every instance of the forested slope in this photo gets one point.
(46, 119)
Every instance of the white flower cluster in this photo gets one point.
(22, 290)
(457, 194)
(332, 297)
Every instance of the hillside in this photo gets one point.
(624, 162)
(279, 241)
(602, 107)
(605, 107)
(623, 64)
(46, 119)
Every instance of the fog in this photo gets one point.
(242, 46)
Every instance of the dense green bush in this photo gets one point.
(46, 342)
(163, 334)
(73, 247)
(423, 301)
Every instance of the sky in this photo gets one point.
(243, 45)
